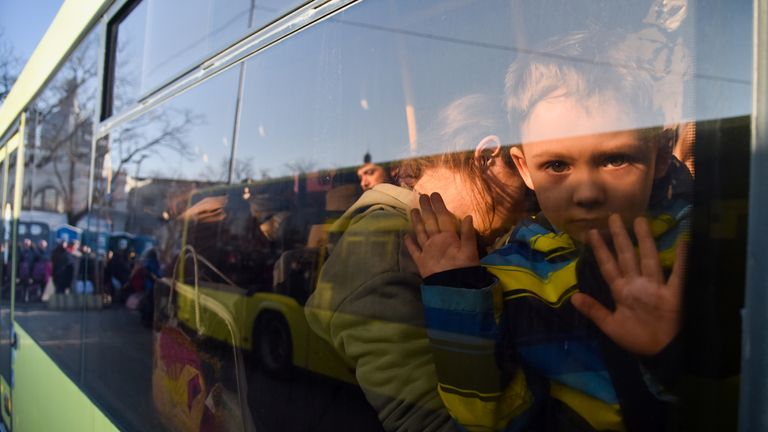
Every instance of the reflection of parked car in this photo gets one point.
(250, 245)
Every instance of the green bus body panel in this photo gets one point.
(64, 407)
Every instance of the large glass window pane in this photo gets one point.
(266, 11)
(280, 280)
(457, 98)
(146, 172)
(157, 40)
(52, 227)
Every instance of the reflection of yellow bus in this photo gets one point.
(250, 257)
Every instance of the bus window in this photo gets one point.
(59, 129)
(397, 215)
(147, 53)
(149, 170)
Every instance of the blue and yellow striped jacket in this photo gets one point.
(506, 353)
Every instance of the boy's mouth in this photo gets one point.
(588, 222)
(585, 224)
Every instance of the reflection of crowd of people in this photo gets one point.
(40, 273)
(71, 269)
(131, 281)
(33, 270)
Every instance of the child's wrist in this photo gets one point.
(474, 277)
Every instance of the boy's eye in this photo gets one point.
(615, 161)
(556, 166)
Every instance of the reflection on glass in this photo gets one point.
(159, 39)
(266, 11)
(56, 266)
(147, 171)
(6, 246)
(129, 58)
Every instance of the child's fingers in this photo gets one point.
(675, 282)
(608, 266)
(445, 219)
(428, 216)
(593, 310)
(412, 247)
(468, 240)
(418, 227)
(649, 256)
(625, 252)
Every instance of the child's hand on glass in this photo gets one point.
(647, 313)
(440, 244)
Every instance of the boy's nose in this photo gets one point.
(588, 191)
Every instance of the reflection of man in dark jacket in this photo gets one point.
(63, 268)
(118, 270)
(24, 267)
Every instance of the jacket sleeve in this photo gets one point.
(367, 305)
(462, 326)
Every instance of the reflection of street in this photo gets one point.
(304, 401)
(109, 354)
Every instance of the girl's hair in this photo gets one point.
(451, 144)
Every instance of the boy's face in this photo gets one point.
(581, 169)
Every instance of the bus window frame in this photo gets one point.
(754, 345)
(249, 43)
(305, 16)
(112, 23)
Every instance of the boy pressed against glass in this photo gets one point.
(572, 324)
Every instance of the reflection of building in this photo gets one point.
(150, 207)
(145, 210)
(58, 154)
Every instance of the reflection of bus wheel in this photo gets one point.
(273, 343)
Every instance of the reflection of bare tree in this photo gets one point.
(300, 166)
(128, 197)
(63, 119)
(242, 170)
(63, 116)
(160, 129)
(9, 66)
(126, 84)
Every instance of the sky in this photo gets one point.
(24, 22)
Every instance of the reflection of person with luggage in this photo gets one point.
(63, 267)
(118, 271)
(86, 271)
(41, 269)
(24, 269)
